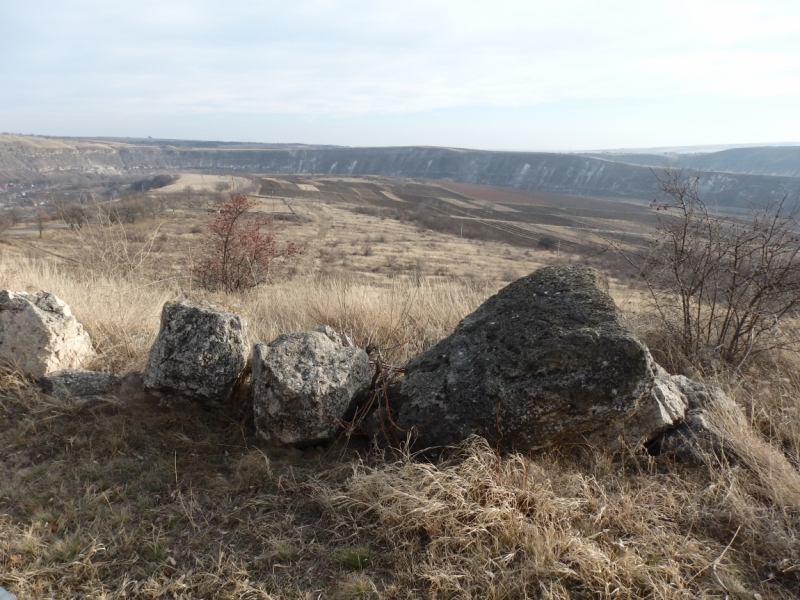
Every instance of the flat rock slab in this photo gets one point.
(544, 361)
(304, 383)
(199, 353)
(77, 384)
(39, 334)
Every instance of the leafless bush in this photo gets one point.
(114, 250)
(240, 248)
(722, 284)
(510, 275)
(5, 222)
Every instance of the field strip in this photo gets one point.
(392, 196)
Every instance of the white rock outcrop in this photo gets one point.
(199, 352)
(697, 437)
(39, 334)
(303, 385)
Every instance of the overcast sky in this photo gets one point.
(499, 74)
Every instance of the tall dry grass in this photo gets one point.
(121, 312)
(127, 499)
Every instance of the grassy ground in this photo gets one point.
(125, 498)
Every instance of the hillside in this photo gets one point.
(37, 159)
(777, 161)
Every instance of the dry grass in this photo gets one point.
(129, 499)
(200, 182)
(126, 499)
(121, 314)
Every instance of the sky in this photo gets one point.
(498, 75)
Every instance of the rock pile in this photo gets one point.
(545, 361)
(695, 434)
(39, 334)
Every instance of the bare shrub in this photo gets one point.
(719, 284)
(112, 249)
(510, 275)
(547, 242)
(240, 248)
(73, 215)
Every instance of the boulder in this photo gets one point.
(39, 334)
(77, 384)
(304, 384)
(199, 353)
(544, 361)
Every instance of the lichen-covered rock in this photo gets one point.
(544, 361)
(304, 383)
(39, 334)
(696, 438)
(77, 384)
(199, 352)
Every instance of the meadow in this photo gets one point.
(126, 498)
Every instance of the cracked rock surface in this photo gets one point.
(199, 352)
(304, 383)
(39, 334)
(77, 384)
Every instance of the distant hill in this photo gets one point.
(731, 177)
(778, 161)
(783, 161)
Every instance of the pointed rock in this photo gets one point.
(544, 361)
(39, 334)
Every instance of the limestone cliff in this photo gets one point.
(24, 158)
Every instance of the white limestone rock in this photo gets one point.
(39, 334)
(199, 352)
(303, 385)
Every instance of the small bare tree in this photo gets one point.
(5, 222)
(191, 200)
(41, 217)
(73, 215)
(241, 247)
(722, 283)
(15, 214)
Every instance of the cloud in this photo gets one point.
(352, 57)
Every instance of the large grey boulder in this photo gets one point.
(544, 361)
(70, 383)
(199, 353)
(303, 385)
(39, 334)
